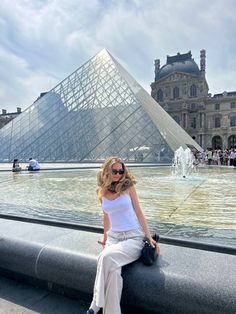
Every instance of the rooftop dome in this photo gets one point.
(179, 63)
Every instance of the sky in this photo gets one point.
(44, 41)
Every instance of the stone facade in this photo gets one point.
(180, 87)
(6, 117)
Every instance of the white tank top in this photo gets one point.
(121, 213)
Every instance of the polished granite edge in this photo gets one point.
(183, 280)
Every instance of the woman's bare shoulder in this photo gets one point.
(130, 190)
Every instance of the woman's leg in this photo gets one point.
(108, 283)
(113, 293)
(99, 281)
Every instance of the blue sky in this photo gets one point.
(43, 41)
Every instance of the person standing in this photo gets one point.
(221, 157)
(125, 228)
(231, 157)
(226, 157)
(209, 156)
(234, 158)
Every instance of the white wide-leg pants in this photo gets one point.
(121, 249)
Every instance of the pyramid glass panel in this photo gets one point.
(98, 111)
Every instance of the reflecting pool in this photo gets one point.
(201, 207)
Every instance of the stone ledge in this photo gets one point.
(184, 280)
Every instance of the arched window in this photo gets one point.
(176, 92)
(184, 120)
(233, 121)
(159, 95)
(232, 141)
(193, 91)
(217, 142)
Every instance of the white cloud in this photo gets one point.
(20, 85)
(44, 41)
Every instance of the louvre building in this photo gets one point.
(181, 88)
(98, 111)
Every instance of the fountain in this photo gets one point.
(184, 162)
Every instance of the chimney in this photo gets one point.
(4, 111)
(157, 66)
(203, 60)
(18, 110)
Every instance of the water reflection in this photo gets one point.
(201, 207)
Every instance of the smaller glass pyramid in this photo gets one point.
(97, 111)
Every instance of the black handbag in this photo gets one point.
(149, 253)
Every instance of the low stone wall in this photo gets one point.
(183, 280)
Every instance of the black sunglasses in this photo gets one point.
(114, 171)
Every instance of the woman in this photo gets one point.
(16, 166)
(124, 230)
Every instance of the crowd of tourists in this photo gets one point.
(220, 157)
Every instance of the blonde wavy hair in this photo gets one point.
(105, 178)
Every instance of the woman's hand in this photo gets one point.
(154, 244)
(102, 241)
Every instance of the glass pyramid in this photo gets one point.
(97, 111)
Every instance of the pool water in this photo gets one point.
(201, 206)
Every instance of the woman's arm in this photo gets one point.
(141, 217)
(106, 226)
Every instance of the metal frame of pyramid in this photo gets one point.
(97, 111)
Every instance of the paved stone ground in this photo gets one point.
(19, 298)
